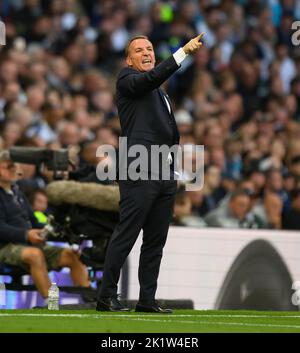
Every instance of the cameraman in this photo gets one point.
(21, 240)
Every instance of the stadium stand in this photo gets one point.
(239, 96)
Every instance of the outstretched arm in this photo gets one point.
(133, 83)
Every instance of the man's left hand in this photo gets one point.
(194, 44)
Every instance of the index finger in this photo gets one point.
(200, 36)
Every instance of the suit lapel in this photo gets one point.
(168, 99)
(162, 95)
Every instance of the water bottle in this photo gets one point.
(53, 297)
(2, 295)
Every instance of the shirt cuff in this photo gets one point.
(179, 56)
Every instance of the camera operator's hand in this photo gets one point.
(193, 45)
(34, 236)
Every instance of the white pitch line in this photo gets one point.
(144, 318)
(99, 315)
(217, 323)
(144, 315)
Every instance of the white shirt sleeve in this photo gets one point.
(179, 56)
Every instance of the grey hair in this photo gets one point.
(133, 39)
(4, 156)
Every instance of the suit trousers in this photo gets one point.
(144, 205)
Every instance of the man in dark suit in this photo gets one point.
(146, 119)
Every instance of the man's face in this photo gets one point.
(296, 204)
(141, 55)
(8, 172)
(295, 169)
(40, 202)
(240, 206)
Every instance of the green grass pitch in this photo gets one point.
(181, 321)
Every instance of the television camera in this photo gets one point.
(74, 223)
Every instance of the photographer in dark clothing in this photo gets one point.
(21, 240)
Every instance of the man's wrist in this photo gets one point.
(179, 56)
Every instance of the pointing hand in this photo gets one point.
(194, 44)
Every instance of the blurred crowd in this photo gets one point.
(239, 95)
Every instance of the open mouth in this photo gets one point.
(146, 61)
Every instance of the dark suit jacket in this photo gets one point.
(143, 112)
(16, 217)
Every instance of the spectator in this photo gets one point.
(39, 203)
(291, 218)
(212, 190)
(239, 96)
(295, 167)
(183, 215)
(235, 214)
(274, 184)
(69, 133)
(268, 212)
